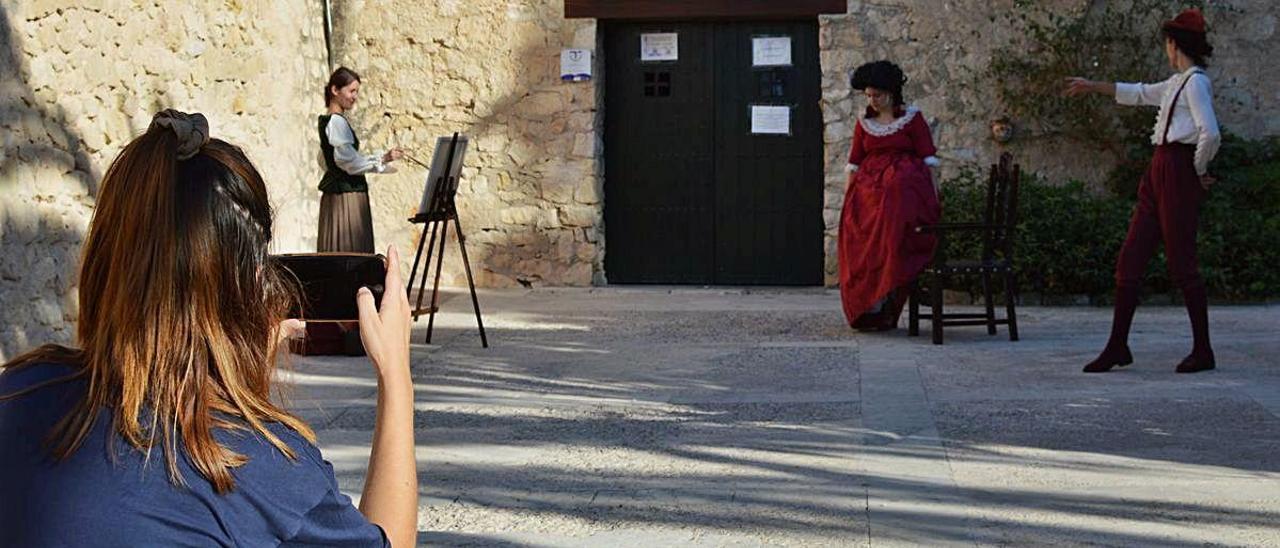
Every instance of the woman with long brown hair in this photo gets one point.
(160, 428)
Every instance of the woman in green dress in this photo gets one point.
(346, 224)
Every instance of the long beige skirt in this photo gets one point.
(346, 224)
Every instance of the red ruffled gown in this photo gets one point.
(892, 193)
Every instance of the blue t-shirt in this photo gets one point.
(93, 499)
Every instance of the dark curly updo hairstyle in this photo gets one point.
(880, 75)
(1194, 44)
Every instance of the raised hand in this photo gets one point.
(385, 331)
(1077, 86)
(290, 329)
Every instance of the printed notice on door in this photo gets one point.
(770, 120)
(659, 46)
(771, 51)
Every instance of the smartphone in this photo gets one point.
(327, 283)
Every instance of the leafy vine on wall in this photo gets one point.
(1106, 40)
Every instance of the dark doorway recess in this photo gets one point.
(692, 195)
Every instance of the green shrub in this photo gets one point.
(1240, 226)
(1068, 235)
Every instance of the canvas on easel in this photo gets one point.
(437, 172)
(437, 209)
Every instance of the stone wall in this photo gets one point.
(939, 43)
(530, 199)
(80, 79)
(90, 73)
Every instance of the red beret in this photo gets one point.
(1189, 20)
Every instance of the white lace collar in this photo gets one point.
(881, 130)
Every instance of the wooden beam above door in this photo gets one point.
(700, 9)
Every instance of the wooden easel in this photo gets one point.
(443, 208)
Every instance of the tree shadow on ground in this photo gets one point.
(553, 434)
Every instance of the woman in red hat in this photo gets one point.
(890, 193)
(1169, 197)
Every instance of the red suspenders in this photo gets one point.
(1168, 121)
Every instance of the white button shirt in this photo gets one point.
(342, 138)
(1193, 120)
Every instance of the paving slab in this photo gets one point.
(659, 416)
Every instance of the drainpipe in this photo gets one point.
(328, 33)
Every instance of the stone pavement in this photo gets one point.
(713, 417)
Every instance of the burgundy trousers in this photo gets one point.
(1168, 209)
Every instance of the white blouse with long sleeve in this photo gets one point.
(1193, 123)
(343, 139)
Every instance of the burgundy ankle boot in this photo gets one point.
(1110, 357)
(1201, 358)
(1196, 362)
(1117, 352)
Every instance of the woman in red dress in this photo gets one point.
(890, 192)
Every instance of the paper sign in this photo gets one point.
(664, 46)
(575, 65)
(771, 51)
(770, 120)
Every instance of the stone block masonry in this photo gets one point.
(531, 198)
(80, 79)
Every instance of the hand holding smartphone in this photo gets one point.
(327, 283)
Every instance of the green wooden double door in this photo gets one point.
(713, 158)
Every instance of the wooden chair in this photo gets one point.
(997, 229)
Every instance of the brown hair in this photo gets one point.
(1194, 44)
(341, 78)
(179, 307)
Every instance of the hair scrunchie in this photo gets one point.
(192, 130)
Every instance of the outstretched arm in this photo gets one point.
(348, 159)
(1080, 86)
(1125, 93)
(351, 161)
